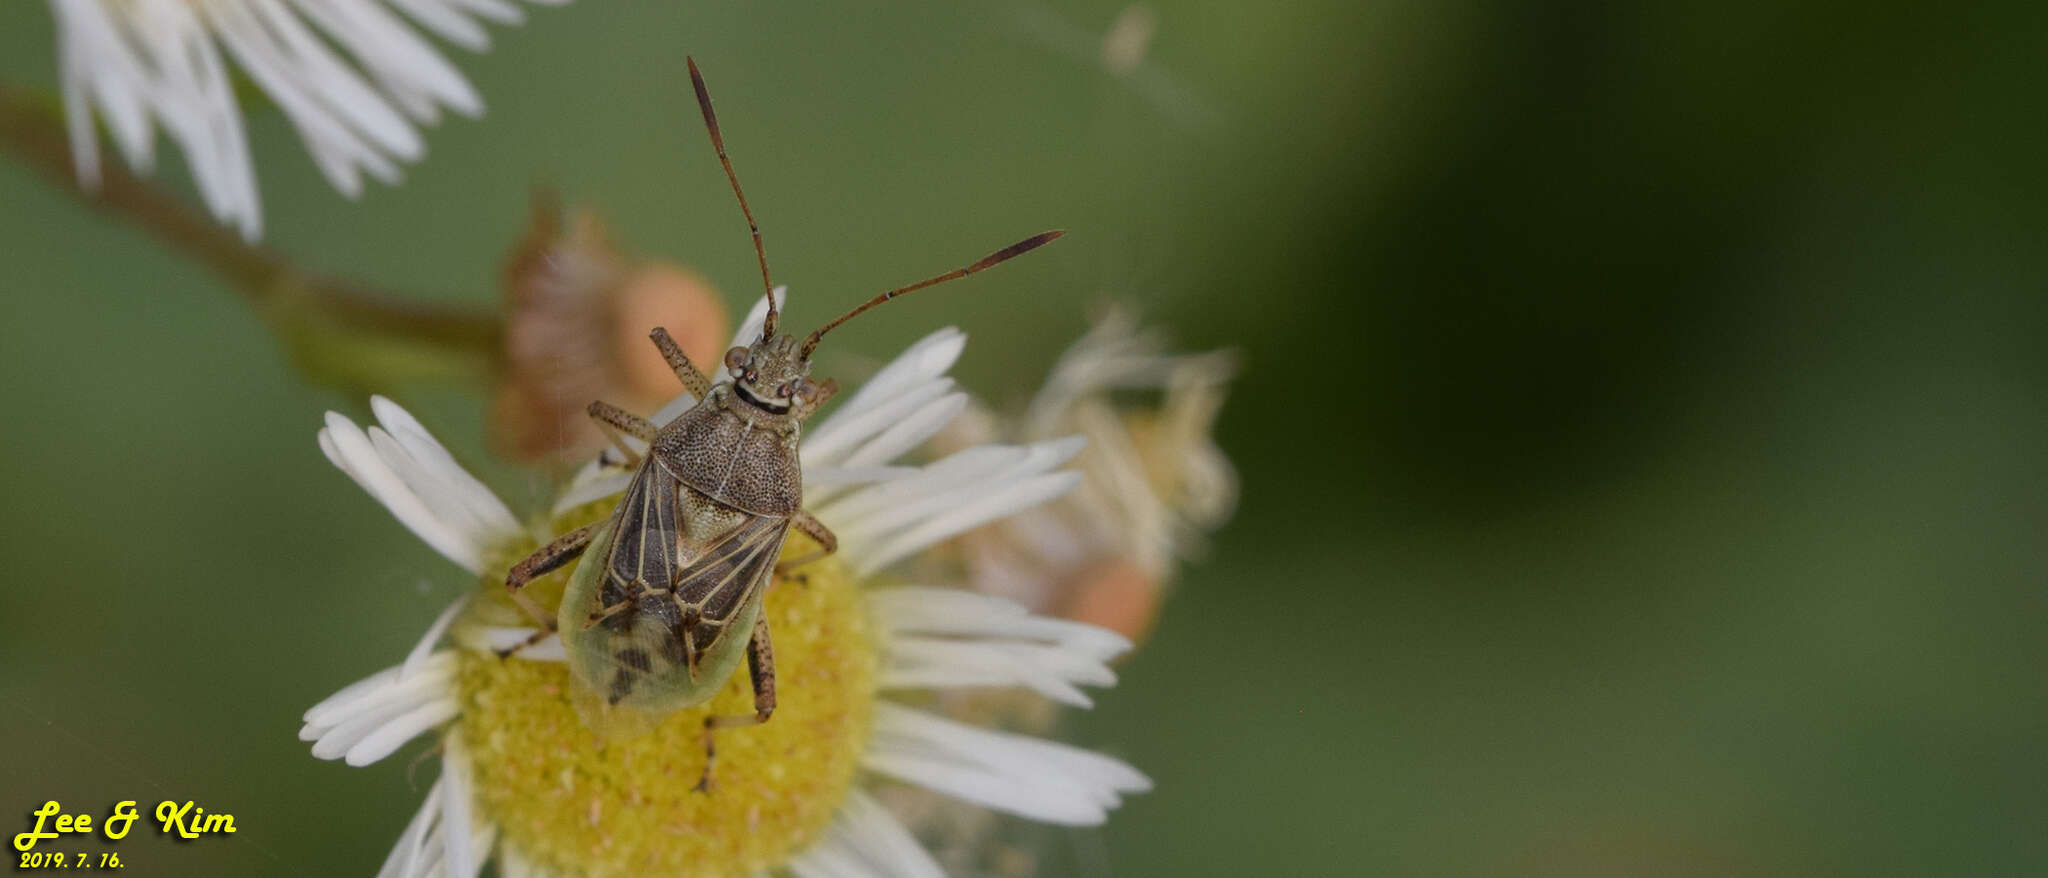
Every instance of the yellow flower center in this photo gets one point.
(585, 804)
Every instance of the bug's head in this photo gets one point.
(771, 374)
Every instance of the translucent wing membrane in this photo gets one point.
(666, 619)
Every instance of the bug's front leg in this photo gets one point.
(761, 667)
(693, 380)
(549, 558)
(816, 530)
(614, 421)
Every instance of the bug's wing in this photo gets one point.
(615, 632)
(647, 530)
(676, 648)
(723, 582)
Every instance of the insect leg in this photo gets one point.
(531, 639)
(693, 380)
(816, 530)
(817, 401)
(761, 667)
(615, 421)
(550, 557)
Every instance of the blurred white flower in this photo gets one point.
(352, 76)
(1154, 483)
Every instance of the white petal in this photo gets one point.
(827, 859)
(423, 650)
(399, 60)
(407, 853)
(513, 864)
(349, 448)
(190, 92)
(348, 694)
(305, 63)
(952, 637)
(978, 473)
(111, 57)
(473, 494)
(923, 361)
(912, 372)
(847, 430)
(835, 476)
(432, 851)
(592, 490)
(1002, 503)
(907, 611)
(455, 524)
(384, 687)
(335, 743)
(495, 10)
(1019, 796)
(458, 857)
(1024, 776)
(393, 734)
(962, 470)
(451, 25)
(336, 149)
(883, 842)
(923, 423)
(1047, 669)
(364, 723)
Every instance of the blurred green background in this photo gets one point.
(1642, 426)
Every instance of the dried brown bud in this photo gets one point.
(577, 316)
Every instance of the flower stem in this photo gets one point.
(339, 333)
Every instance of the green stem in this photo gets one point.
(340, 332)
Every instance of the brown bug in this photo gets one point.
(657, 616)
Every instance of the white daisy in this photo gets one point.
(522, 778)
(354, 78)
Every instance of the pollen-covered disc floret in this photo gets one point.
(535, 779)
(619, 800)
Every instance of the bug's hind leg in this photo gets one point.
(549, 558)
(693, 381)
(816, 530)
(617, 423)
(761, 667)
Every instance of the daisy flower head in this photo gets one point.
(526, 779)
(355, 77)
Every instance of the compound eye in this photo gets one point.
(783, 391)
(736, 361)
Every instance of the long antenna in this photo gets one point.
(1018, 249)
(718, 141)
